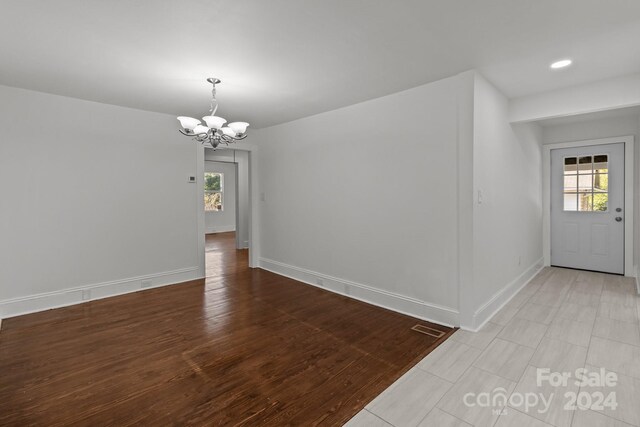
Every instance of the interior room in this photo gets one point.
(361, 213)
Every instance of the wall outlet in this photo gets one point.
(191, 179)
(146, 283)
(86, 294)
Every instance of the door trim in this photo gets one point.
(628, 194)
(254, 223)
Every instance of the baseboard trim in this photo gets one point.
(48, 300)
(502, 297)
(405, 305)
(220, 229)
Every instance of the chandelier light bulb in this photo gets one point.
(199, 130)
(188, 122)
(239, 127)
(214, 122)
(228, 131)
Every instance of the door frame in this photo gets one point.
(254, 223)
(629, 161)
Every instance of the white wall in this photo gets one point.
(225, 220)
(94, 197)
(381, 210)
(604, 128)
(386, 210)
(507, 206)
(363, 200)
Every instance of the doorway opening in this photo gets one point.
(226, 184)
(588, 200)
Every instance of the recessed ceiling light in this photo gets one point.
(561, 64)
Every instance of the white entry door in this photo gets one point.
(587, 208)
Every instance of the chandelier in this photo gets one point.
(215, 132)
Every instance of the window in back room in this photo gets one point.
(213, 191)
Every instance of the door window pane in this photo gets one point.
(585, 165)
(600, 164)
(600, 202)
(586, 183)
(570, 201)
(570, 183)
(585, 202)
(570, 165)
(600, 182)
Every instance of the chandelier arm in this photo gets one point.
(185, 133)
(227, 139)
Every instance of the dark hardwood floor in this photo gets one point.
(243, 347)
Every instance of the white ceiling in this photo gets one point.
(285, 59)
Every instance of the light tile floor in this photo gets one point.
(562, 320)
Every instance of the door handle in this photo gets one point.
(618, 218)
